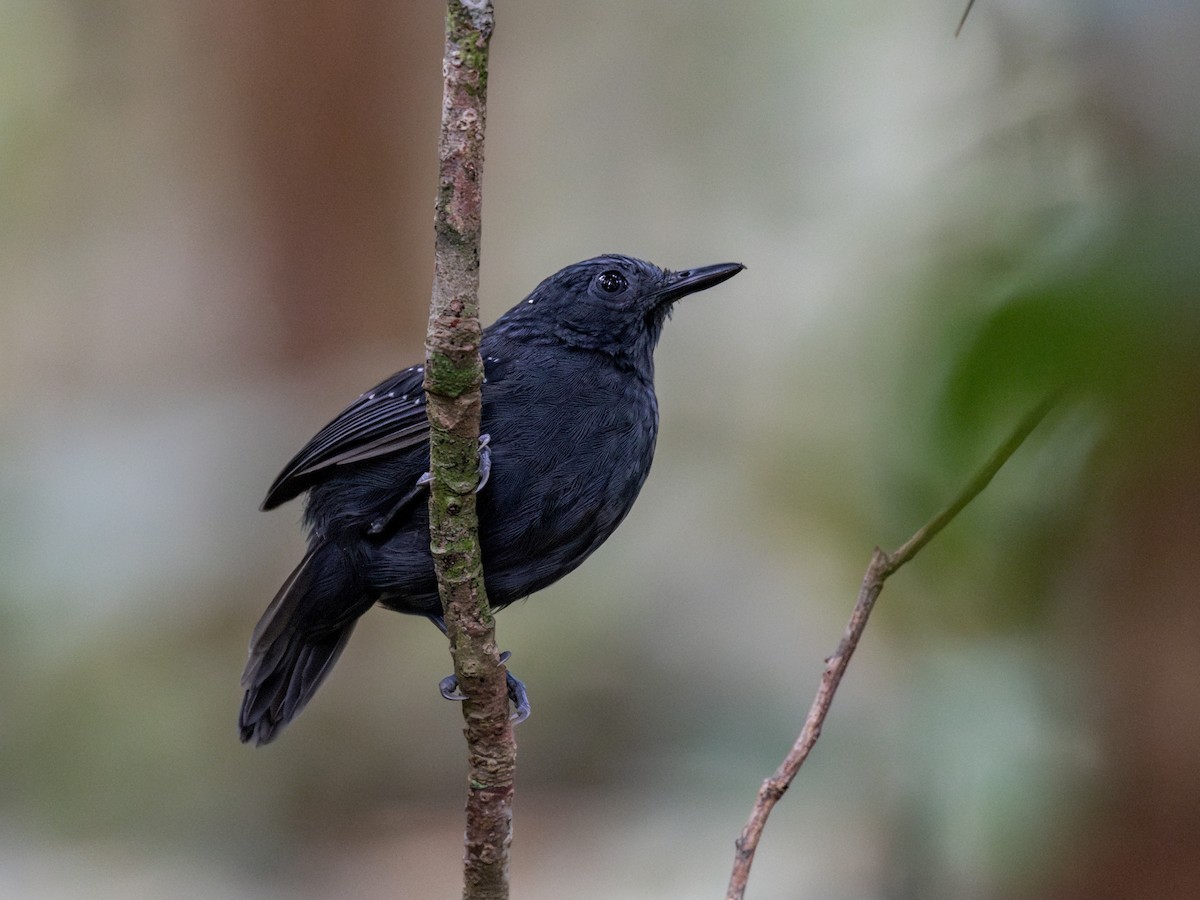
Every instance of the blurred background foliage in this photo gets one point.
(214, 232)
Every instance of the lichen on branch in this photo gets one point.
(453, 382)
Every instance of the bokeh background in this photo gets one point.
(215, 231)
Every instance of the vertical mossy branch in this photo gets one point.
(453, 379)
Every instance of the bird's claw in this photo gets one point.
(517, 695)
(449, 688)
(519, 698)
(485, 461)
(380, 523)
(485, 465)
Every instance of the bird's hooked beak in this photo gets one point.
(689, 281)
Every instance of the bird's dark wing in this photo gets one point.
(389, 417)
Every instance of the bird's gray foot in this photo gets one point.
(380, 523)
(485, 461)
(517, 694)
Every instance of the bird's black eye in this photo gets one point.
(612, 282)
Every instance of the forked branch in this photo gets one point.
(882, 566)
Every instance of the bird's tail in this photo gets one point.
(297, 641)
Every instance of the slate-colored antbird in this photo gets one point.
(571, 419)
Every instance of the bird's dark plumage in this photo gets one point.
(569, 405)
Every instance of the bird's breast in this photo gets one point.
(568, 462)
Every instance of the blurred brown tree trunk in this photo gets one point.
(336, 114)
(1141, 633)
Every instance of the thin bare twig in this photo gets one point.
(453, 379)
(882, 566)
(963, 20)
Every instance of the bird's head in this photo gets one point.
(612, 304)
